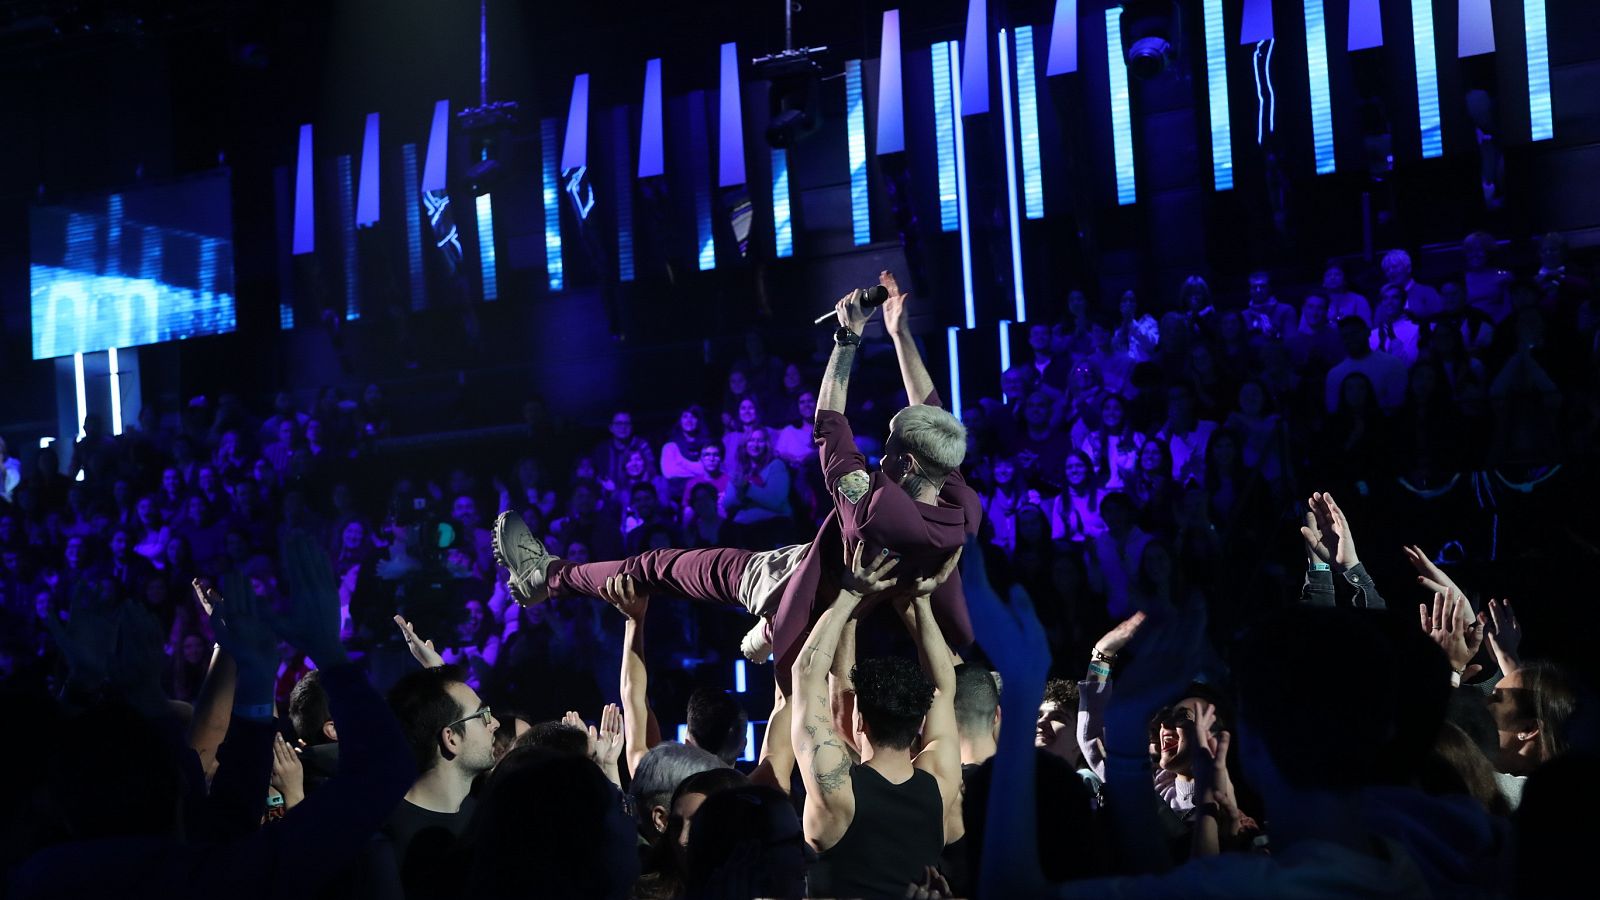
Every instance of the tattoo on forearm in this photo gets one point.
(839, 364)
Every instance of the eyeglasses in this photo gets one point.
(483, 714)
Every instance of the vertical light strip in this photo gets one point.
(700, 179)
(952, 342)
(1028, 125)
(1011, 175)
(623, 176)
(575, 149)
(855, 120)
(116, 390)
(1217, 94)
(433, 164)
(347, 240)
(730, 124)
(651, 157)
(891, 99)
(82, 391)
(1541, 113)
(961, 185)
(1427, 78)
(1321, 98)
(1005, 345)
(782, 224)
(369, 187)
(486, 266)
(1366, 25)
(974, 87)
(551, 191)
(114, 233)
(1121, 109)
(305, 212)
(738, 676)
(412, 186)
(1475, 28)
(1255, 22)
(944, 138)
(749, 742)
(1063, 58)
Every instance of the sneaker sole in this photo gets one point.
(520, 591)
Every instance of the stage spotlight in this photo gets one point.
(486, 131)
(1150, 36)
(795, 98)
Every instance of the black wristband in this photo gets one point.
(844, 337)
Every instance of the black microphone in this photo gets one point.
(868, 297)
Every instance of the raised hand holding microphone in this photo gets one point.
(864, 300)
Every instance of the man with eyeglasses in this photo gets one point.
(451, 735)
(611, 455)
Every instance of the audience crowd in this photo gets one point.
(200, 617)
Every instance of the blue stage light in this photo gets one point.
(1121, 110)
(856, 142)
(1217, 93)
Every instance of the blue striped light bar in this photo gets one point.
(550, 182)
(1005, 345)
(952, 337)
(347, 240)
(651, 157)
(1321, 99)
(486, 266)
(1427, 78)
(730, 126)
(1063, 57)
(1011, 175)
(975, 69)
(944, 138)
(413, 206)
(891, 99)
(1217, 94)
(305, 207)
(368, 187)
(739, 683)
(1121, 109)
(623, 185)
(961, 185)
(700, 178)
(782, 223)
(1541, 113)
(1028, 125)
(855, 120)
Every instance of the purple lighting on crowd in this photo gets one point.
(1366, 25)
(891, 103)
(1063, 40)
(650, 153)
(730, 127)
(305, 221)
(433, 165)
(975, 68)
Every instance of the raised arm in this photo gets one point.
(941, 745)
(836, 379)
(919, 384)
(640, 730)
(823, 758)
(841, 690)
(776, 765)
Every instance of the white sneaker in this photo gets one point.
(757, 642)
(524, 556)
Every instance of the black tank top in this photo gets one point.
(898, 830)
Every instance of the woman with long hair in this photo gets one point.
(680, 453)
(757, 497)
(1152, 487)
(1113, 448)
(1075, 513)
(1009, 491)
(747, 418)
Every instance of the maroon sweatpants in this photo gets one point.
(711, 575)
